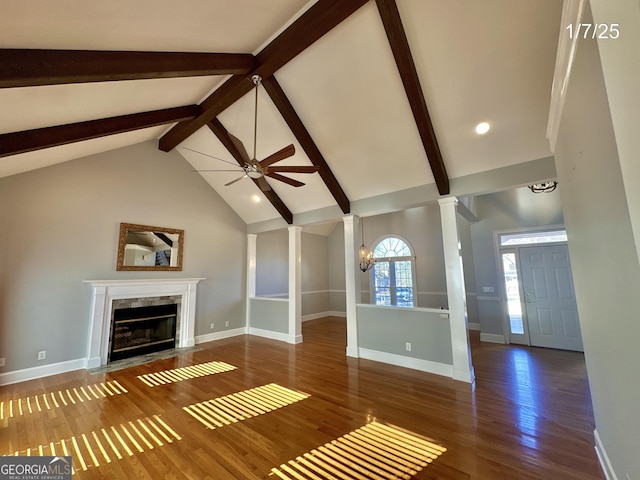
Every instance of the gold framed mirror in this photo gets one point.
(147, 248)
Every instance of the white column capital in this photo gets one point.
(294, 228)
(448, 201)
(349, 219)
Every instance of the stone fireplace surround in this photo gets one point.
(105, 292)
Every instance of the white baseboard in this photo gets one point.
(212, 337)
(282, 337)
(315, 316)
(492, 338)
(473, 326)
(407, 362)
(603, 458)
(33, 373)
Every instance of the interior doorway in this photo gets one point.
(540, 303)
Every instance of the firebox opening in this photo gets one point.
(141, 330)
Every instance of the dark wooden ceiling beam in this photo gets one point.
(402, 53)
(27, 67)
(223, 135)
(311, 26)
(39, 138)
(290, 116)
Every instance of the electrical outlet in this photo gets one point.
(212, 326)
(226, 324)
(42, 354)
(1, 362)
(408, 346)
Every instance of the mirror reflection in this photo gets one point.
(143, 247)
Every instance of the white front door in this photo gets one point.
(549, 299)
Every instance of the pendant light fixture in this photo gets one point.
(366, 257)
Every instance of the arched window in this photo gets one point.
(392, 276)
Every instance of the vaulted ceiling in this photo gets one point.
(381, 96)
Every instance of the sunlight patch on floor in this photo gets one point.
(108, 444)
(239, 406)
(375, 451)
(61, 398)
(184, 373)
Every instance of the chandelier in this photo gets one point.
(366, 257)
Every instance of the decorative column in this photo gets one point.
(456, 294)
(352, 282)
(251, 275)
(295, 284)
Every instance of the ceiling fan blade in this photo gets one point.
(286, 152)
(210, 156)
(263, 184)
(294, 169)
(216, 170)
(234, 181)
(243, 151)
(287, 180)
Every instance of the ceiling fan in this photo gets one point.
(259, 169)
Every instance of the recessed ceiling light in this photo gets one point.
(255, 198)
(482, 128)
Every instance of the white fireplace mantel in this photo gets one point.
(105, 291)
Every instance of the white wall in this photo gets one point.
(603, 251)
(60, 226)
(621, 69)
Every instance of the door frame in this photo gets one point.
(498, 251)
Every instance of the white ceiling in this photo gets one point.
(489, 60)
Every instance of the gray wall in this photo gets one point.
(421, 227)
(604, 258)
(270, 314)
(272, 271)
(60, 226)
(337, 289)
(388, 329)
(315, 274)
(272, 264)
(507, 210)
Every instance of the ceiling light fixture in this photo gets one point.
(544, 187)
(255, 198)
(366, 261)
(482, 128)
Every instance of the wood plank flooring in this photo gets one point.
(306, 411)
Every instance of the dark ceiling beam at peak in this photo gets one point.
(223, 135)
(402, 53)
(290, 116)
(32, 67)
(312, 25)
(39, 138)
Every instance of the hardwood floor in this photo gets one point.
(528, 417)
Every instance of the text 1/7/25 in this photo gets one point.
(594, 30)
